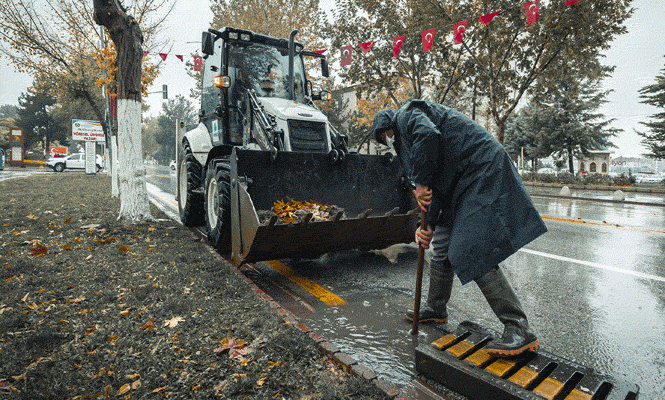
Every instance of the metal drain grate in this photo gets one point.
(458, 361)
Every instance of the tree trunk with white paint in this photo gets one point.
(134, 203)
(114, 166)
(128, 39)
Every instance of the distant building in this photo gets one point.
(598, 162)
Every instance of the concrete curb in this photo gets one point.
(328, 349)
(636, 189)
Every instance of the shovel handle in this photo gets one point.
(419, 278)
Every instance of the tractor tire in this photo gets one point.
(218, 203)
(190, 195)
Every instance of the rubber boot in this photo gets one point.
(517, 337)
(440, 287)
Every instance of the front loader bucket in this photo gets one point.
(378, 206)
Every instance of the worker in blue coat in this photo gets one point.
(483, 213)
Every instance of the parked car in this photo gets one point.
(172, 165)
(649, 178)
(75, 161)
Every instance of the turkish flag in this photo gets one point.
(365, 47)
(487, 18)
(347, 55)
(198, 60)
(179, 57)
(428, 39)
(114, 103)
(460, 28)
(320, 51)
(572, 2)
(163, 55)
(397, 45)
(531, 10)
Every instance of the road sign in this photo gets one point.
(16, 145)
(87, 130)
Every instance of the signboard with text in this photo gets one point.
(87, 130)
(90, 158)
(16, 146)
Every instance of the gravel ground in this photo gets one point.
(94, 308)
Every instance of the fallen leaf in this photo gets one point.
(173, 322)
(40, 250)
(260, 382)
(274, 364)
(66, 246)
(160, 390)
(124, 249)
(32, 216)
(25, 297)
(196, 388)
(77, 300)
(136, 384)
(148, 326)
(125, 312)
(123, 389)
(68, 220)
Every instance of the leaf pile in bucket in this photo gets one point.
(294, 211)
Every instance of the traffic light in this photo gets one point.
(165, 92)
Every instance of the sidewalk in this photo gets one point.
(92, 307)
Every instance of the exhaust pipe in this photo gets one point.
(292, 54)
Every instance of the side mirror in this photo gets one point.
(324, 67)
(207, 46)
(323, 95)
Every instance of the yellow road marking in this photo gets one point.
(595, 223)
(312, 287)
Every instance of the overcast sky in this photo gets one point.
(638, 56)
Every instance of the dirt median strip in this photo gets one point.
(92, 307)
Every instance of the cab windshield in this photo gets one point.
(264, 69)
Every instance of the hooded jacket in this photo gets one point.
(482, 198)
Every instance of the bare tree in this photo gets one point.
(128, 39)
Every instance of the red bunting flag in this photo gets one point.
(179, 57)
(428, 39)
(531, 10)
(460, 28)
(198, 60)
(145, 53)
(365, 47)
(163, 55)
(114, 103)
(347, 55)
(397, 45)
(487, 18)
(572, 2)
(320, 51)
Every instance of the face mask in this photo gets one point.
(390, 142)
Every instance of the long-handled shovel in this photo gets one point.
(419, 278)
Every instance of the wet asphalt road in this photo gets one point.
(593, 288)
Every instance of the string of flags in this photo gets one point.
(531, 11)
(198, 60)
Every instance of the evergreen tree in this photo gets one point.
(654, 140)
(33, 116)
(570, 125)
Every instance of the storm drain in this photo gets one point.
(459, 362)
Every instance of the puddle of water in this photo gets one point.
(375, 333)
